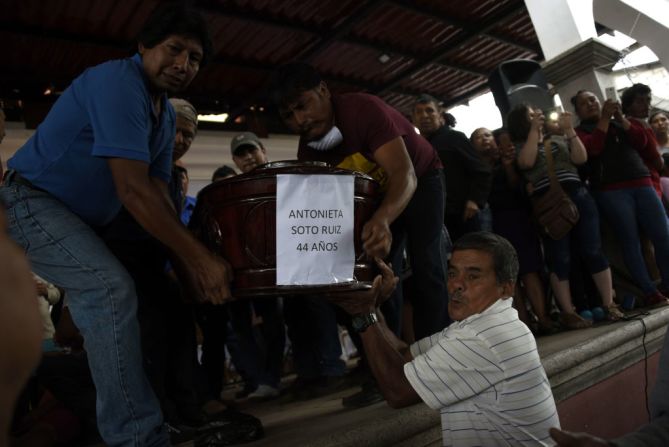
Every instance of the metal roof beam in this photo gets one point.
(466, 26)
(451, 102)
(452, 46)
(326, 39)
(394, 51)
(341, 30)
(259, 17)
(54, 34)
(514, 43)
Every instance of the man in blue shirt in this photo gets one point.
(106, 143)
(187, 204)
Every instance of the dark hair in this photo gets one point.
(180, 170)
(449, 119)
(223, 171)
(471, 137)
(176, 18)
(630, 94)
(504, 256)
(424, 98)
(574, 99)
(518, 123)
(289, 81)
(657, 112)
(497, 133)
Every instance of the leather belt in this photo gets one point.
(15, 177)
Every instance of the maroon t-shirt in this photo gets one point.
(367, 123)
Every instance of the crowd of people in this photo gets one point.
(122, 294)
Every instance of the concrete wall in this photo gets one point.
(614, 406)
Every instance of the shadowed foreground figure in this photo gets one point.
(20, 326)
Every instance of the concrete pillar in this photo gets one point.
(575, 59)
(644, 21)
(587, 66)
(561, 24)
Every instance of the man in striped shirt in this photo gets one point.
(483, 372)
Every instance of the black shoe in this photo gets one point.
(244, 392)
(229, 415)
(546, 327)
(180, 435)
(300, 389)
(228, 427)
(368, 395)
(305, 389)
(330, 384)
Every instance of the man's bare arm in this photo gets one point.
(207, 275)
(386, 354)
(387, 364)
(394, 159)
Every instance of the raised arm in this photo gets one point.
(578, 154)
(527, 156)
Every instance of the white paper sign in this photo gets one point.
(314, 229)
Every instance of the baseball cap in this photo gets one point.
(245, 139)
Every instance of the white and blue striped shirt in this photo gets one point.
(484, 375)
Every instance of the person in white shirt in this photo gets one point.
(483, 372)
(47, 296)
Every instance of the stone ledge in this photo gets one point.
(585, 57)
(390, 427)
(580, 366)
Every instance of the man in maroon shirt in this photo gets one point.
(360, 132)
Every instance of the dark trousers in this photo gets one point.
(261, 357)
(68, 378)
(214, 323)
(167, 327)
(482, 221)
(419, 229)
(313, 332)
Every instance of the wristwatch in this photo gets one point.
(361, 322)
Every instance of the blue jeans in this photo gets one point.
(586, 232)
(627, 209)
(101, 297)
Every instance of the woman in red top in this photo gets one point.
(622, 186)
